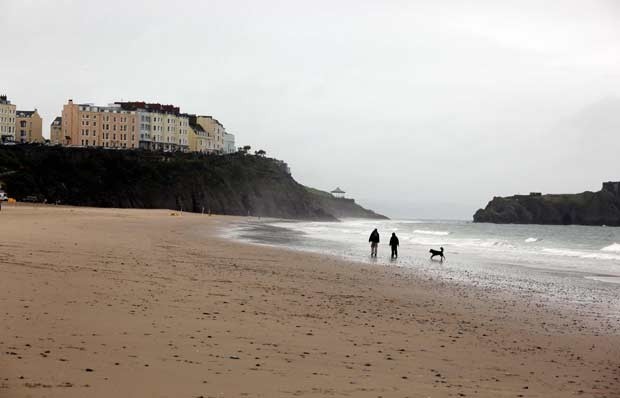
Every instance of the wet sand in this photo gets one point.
(143, 303)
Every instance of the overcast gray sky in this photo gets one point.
(415, 108)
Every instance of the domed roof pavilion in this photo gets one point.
(339, 193)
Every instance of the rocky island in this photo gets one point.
(586, 208)
(233, 184)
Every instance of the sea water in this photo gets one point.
(578, 264)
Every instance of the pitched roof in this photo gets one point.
(57, 121)
(24, 113)
(212, 118)
(338, 190)
(193, 123)
(197, 127)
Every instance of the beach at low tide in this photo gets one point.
(154, 303)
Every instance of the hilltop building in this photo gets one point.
(161, 127)
(198, 138)
(56, 136)
(229, 143)
(7, 120)
(28, 127)
(125, 125)
(88, 125)
(338, 193)
(143, 125)
(215, 132)
(208, 135)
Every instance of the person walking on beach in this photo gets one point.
(374, 242)
(394, 245)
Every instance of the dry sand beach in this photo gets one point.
(142, 303)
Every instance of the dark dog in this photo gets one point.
(437, 253)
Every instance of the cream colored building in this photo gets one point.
(56, 136)
(198, 137)
(215, 132)
(160, 127)
(28, 127)
(7, 120)
(88, 125)
(132, 125)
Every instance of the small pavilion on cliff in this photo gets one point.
(338, 193)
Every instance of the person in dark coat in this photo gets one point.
(394, 245)
(374, 242)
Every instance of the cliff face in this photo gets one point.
(587, 208)
(233, 184)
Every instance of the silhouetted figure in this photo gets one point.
(394, 245)
(374, 242)
(437, 253)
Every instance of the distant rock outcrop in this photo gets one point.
(235, 184)
(587, 208)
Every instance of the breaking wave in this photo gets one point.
(614, 247)
(581, 254)
(431, 232)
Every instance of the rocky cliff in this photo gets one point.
(235, 184)
(587, 208)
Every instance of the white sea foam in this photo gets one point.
(431, 232)
(563, 252)
(425, 241)
(486, 243)
(593, 251)
(614, 247)
(433, 240)
(581, 254)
